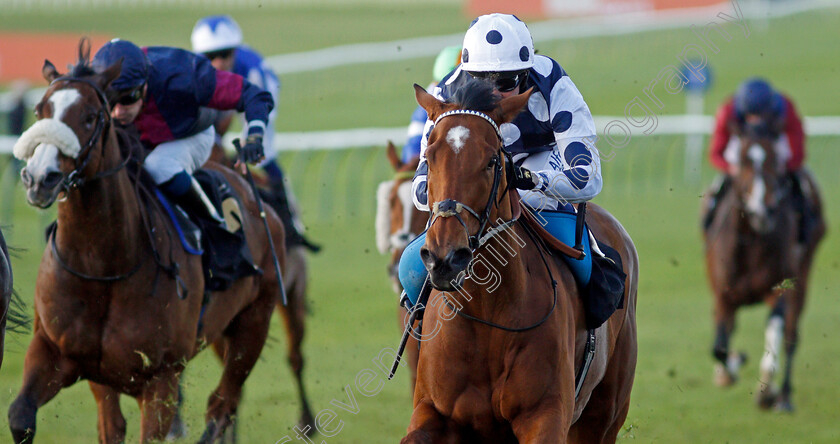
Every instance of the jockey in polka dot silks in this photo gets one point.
(170, 95)
(219, 38)
(554, 137)
(552, 141)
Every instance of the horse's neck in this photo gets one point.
(498, 271)
(103, 213)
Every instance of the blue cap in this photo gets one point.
(756, 96)
(135, 65)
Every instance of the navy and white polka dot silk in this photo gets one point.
(556, 119)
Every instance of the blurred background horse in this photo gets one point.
(398, 222)
(753, 255)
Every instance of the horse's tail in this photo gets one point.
(17, 319)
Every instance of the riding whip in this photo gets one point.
(265, 221)
(414, 314)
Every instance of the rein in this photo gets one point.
(75, 180)
(453, 208)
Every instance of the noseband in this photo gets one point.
(453, 208)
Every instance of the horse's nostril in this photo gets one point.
(429, 259)
(26, 178)
(52, 179)
(460, 258)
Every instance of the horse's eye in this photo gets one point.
(492, 162)
(90, 120)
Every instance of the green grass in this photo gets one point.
(353, 310)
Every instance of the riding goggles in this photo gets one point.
(129, 96)
(505, 81)
(220, 54)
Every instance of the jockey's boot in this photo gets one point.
(198, 205)
(283, 206)
(721, 184)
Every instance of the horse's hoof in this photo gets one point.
(307, 424)
(723, 378)
(210, 433)
(766, 396)
(177, 431)
(784, 406)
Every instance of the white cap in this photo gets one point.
(497, 42)
(215, 33)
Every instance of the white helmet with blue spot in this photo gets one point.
(497, 42)
(215, 33)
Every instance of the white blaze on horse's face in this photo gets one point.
(457, 137)
(62, 100)
(43, 161)
(755, 200)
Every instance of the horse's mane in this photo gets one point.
(476, 95)
(83, 67)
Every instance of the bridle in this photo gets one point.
(453, 208)
(103, 122)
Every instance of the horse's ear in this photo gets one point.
(110, 74)
(510, 107)
(49, 72)
(433, 106)
(393, 158)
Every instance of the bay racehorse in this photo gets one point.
(753, 255)
(504, 330)
(398, 222)
(117, 299)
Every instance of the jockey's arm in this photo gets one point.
(720, 136)
(232, 91)
(577, 177)
(795, 135)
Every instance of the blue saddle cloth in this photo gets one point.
(561, 225)
(188, 232)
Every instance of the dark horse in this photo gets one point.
(753, 255)
(504, 343)
(117, 300)
(398, 222)
(11, 315)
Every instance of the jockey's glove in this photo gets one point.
(524, 179)
(253, 151)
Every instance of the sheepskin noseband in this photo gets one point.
(50, 131)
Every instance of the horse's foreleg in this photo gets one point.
(726, 371)
(158, 404)
(294, 316)
(245, 339)
(548, 423)
(45, 372)
(767, 390)
(110, 421)
(427, 426)
(792, 313)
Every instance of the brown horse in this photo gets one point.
(398, 222)
(117, 300)
(753, 255)
(503, 347)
